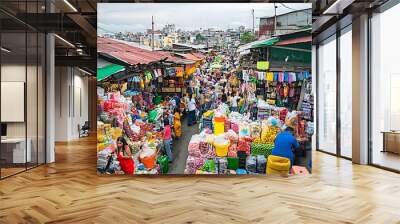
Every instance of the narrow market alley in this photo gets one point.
(179, 148)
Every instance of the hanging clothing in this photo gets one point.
(280, 77)
(270, 76)
(286, 77)
(276, 76)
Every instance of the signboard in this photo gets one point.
(262, 65)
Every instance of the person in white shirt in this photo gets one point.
(192, 111)
(234, 102)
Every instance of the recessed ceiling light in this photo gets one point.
(5, 50)
(70, 5)
(64, 40)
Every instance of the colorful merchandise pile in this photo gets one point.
(141, 131)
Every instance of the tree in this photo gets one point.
(199, 37)
(247, 37)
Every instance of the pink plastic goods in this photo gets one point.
(194, 149)
(244, 146)
(193, 164)
(227, 125)
(203, 147)
(235, 127)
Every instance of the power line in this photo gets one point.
(295, 9)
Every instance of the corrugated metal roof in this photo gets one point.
(127, 53)
(295, 41)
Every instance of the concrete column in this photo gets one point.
(50, 100)
(314, 89)
(360, 90)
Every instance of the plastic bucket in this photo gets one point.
(219, 119)
(219, 128)
(221, 150)
(278, 165)
(149, 161)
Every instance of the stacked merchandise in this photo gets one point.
(141, 131)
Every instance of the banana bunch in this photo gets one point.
(268, 134)
(257, 140)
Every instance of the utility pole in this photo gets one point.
(152, 33)
(252, 13)
(275, 20)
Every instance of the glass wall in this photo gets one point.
(326, 100)
(346, 92)
(385, 89)
(22, 90)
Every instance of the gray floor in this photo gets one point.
(179, 148)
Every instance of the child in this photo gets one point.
(167, 139)
(177, 123)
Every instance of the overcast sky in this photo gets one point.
(136, 17)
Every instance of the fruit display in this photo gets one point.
(261, 149)
(268, 134)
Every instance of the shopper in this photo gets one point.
(177, 101)
(234, 102)
(167, 139)
(224, 97)
(124, 156)
(192, 111)
(285, 143)
(177, 123)
(186, 102)
(253, 111)
(201, 101)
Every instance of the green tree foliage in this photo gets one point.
(247, 37)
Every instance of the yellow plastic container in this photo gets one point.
(278, 165)
(221, 150)
(219, 128)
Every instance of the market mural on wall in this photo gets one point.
(222, 98)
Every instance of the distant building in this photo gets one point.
(285, 23)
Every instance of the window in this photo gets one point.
(327, 95)
(346, 92)
(385, 89)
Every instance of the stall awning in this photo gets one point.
(107, 71)
(266, 43)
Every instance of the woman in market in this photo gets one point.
(285, 143)
(167, 139)
(124, 156)
(192, 111)
(177, 123)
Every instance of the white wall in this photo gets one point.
(71, 94)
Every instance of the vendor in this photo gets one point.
(124, 156)
(285, 143)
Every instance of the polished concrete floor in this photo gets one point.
(70, 191)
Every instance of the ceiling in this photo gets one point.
(74, 22)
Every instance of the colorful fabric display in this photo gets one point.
(276, 76)
(306, 75)
(270, 76)
(294, 77)
(286, 77)
(280, 77)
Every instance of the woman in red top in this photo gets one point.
(124, 156)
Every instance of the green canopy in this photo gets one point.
(108, 70)
(215, 66)
(266, 43)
